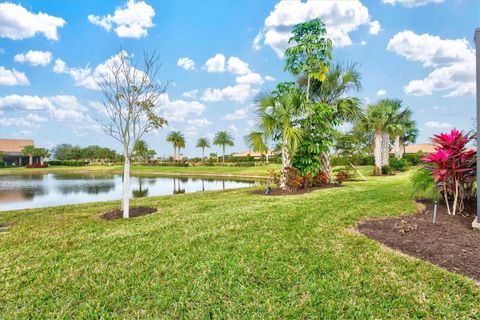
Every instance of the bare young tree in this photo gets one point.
(131, 100)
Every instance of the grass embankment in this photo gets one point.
(258, 171)
(225, 254)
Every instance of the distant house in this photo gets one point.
(13, 151)
(420, 147)
(255, 155)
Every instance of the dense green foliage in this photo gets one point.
(70, 152)
(207, 255)
(69, 163)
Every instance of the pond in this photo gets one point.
(22, 191)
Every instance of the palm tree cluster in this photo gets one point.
(387, 119)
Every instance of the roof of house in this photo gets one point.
(14, 145)
(420, 147)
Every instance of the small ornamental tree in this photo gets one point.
(131, 99)
(453, 168)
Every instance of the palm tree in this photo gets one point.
(403, 130)
(223, 138)
(340, 79)
(276, 113)
(381, 119)
(42, 153)
(28, 151)
(257, 143)
(181, 143)
(177, 139)
(203, 143)
(141, 149)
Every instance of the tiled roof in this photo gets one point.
(423, 147)
(14, 145)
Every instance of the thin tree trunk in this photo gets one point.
(377, 152)
(30, 159)
(223, 156)
(445, 195)
(286, 163)
(174, 153)
(325, 160)
(397, 148)
(203, 155)
(308, 88)
(126, 187)
(455, 201)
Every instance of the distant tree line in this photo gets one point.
(92, 153)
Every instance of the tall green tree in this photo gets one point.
(403, 130)
(333, 91)
(310, 53)
(203, 143)
(276, 113)
(258, 142)
(28, 151)
(223, 138)
(176, 138)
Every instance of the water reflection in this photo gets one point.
(42, 190)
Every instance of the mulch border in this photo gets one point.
(134, 213)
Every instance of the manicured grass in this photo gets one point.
(202, 170)
(226, 254)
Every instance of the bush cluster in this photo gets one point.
(68, 163)
(37, 165)
(295, 181)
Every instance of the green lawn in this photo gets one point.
(200, 170)
(226, 254)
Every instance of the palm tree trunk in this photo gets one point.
(223, 152)
(286, 163)
(203, 154)
(377, 152)
(30, 159)
(397, 148)
(174, 153)
(385, 148)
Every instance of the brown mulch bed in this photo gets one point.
(450, 243)
(280, 192)
(134, 212)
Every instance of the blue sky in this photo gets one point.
(420, 51)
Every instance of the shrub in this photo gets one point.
(387, 170)
(453, 168)
(307, 181)
(414, 159)
(3, 164)
(341, 177)
(37, 165)
(398, 164)
(69, 163)
(423, 185)
(321, 178)
(357, 160)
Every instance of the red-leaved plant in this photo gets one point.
(453, 167)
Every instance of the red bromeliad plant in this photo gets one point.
(453, 167)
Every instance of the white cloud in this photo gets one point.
(233, 128)
(12, 77)
(201, 122)
(192, 94)
(215, 63)
(452, 60)
(375, 27)
(237, 93)
(250, 78)
(437, 125)
(411, 3)
(63, 108)
(86, 77)
(237, 66)
(186, 63)
(269, 78)
(131, 21)
(34, 57)
(178, 110)
(238, 114)
(29, 121)
(18, 23)
(381, 92)
(340, 18)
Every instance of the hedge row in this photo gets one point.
(68, 163)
